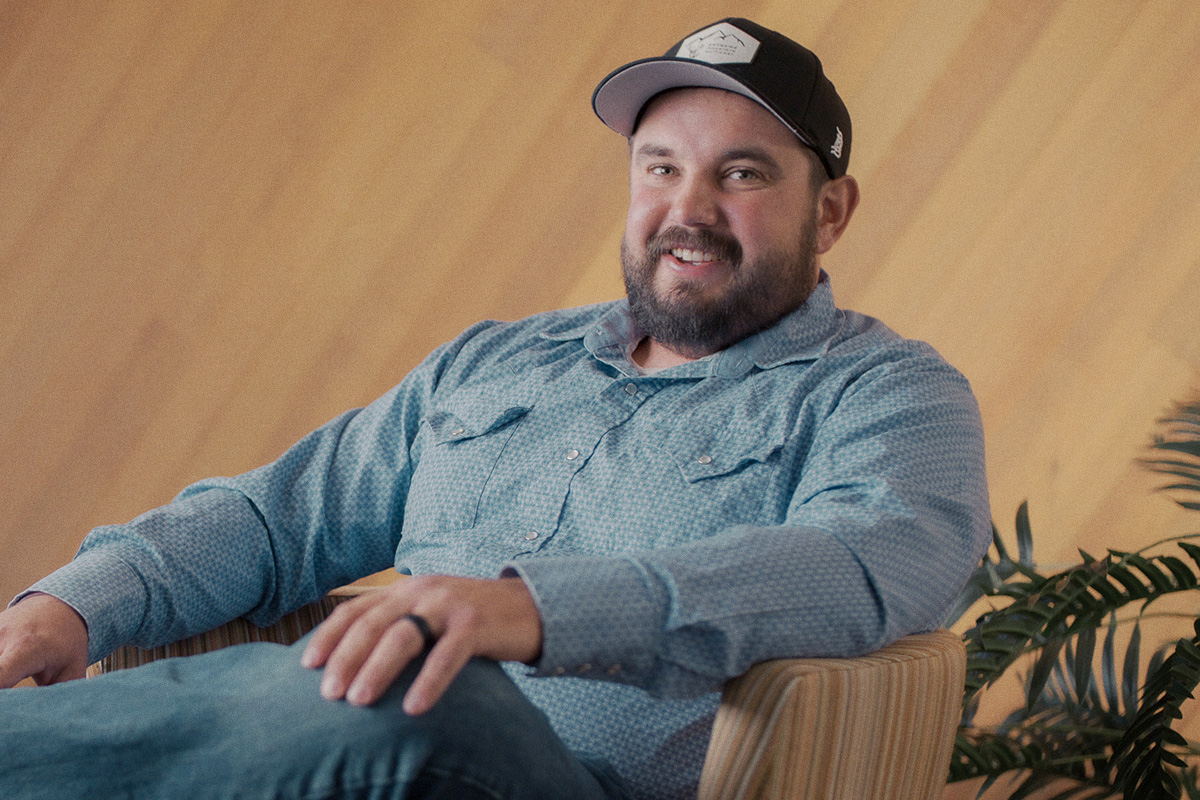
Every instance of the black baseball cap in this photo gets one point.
(744, 57)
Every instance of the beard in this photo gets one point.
(692, 320)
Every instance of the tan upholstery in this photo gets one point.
(878, 727)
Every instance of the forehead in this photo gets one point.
(712, 115)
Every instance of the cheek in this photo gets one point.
(645, 215)
(763, 226)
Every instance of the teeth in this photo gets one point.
(693, 256)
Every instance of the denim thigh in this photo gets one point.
(249, 722)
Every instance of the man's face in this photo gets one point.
(720, 240)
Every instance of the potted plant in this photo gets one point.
(1092, 722)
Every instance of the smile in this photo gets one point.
(693, 256)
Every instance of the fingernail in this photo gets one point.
(357, 695)
(330, 688)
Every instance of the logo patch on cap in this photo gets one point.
(720, 44)
(836, 150)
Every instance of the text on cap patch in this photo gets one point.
(719, 44)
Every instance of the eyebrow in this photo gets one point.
(752, 154)
(756, 154)
(654, 150)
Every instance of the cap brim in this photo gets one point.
(619, 98)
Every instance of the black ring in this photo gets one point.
(422, 626)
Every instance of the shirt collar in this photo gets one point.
(803, 335)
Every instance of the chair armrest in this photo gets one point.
(880, 726)
(290, 628)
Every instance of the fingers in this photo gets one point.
(327, 635)
(385, 659)
(367, 642)
(442, 665)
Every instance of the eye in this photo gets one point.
(742, 174)
(661, 169)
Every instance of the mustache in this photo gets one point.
(724, 246)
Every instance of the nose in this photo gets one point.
(695, 203)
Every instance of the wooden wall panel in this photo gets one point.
(225, 222)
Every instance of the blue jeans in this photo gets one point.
(249, 722)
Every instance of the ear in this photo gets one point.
(835, 207)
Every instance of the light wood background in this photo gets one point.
(222, 223)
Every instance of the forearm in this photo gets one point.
(174, 571)
(683, 620)
(257, 545)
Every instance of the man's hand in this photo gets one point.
(42, 638)
(366, 642)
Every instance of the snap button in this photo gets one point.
(630, 388)
(583, 668)
(529, 537)
(704, 459)
(572, 454)
(458, 432)
(615, 669)
(558, 671)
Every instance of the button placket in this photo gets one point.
(626, 395)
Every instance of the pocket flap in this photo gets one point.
(453, 425)
(702, 454)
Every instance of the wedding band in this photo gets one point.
(422, 626)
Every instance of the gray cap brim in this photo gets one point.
(619, 99)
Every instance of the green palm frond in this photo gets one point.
(989, 578)
(1046, 611)
(1039, 760)
(1083, 718)
(1089, 717)
(1141, 758)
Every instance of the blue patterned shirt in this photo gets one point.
(816, 489)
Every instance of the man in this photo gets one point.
(627, 504)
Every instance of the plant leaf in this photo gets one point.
(1108, 668)
(1085, 650)
(1141, 763)
(1024, 536)
(1129, 683)
(1041, 672)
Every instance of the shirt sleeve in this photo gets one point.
(258, 545)
(887, 520)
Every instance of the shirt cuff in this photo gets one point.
(601, 617)
(102, 589)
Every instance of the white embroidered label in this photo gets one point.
(720, 44)
(837, 144)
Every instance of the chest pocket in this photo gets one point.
(726, 473)
(463, 440)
